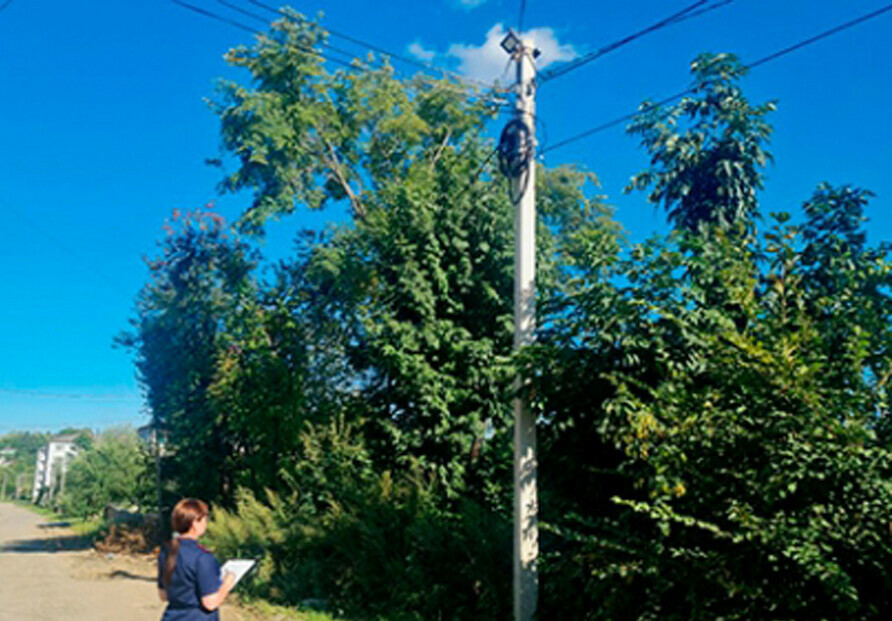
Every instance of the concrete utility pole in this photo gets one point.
(517, 158)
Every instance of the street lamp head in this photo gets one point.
(511, 42)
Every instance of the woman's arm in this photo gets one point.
(215, 600)
(162, 595)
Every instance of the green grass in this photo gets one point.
(82, 527)
(41, 511)
(266, 610)
(87, 528)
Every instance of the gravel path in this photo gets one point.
(46, 574)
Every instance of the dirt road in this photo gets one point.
(46, 574)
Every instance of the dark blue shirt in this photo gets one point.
(197, 574)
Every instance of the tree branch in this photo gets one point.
(335, 166)
(441, 148)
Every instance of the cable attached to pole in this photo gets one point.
(515, 151)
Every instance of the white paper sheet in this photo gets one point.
(238, 566)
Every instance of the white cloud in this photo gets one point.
(489, 61)
(420, 52)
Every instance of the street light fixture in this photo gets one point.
(511, 42)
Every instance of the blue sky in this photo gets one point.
(104, 131)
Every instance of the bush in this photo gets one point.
(114, 470)
(373, 545)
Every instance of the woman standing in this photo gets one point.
(188, 574)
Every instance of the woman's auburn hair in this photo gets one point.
(184, 515)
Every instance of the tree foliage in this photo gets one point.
(200, 282)
(721, 399)
(19, 471)
(707, 150)
(116, 469)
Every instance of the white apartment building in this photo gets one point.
(52, 462)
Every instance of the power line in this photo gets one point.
(704, 10)
(241, 26)
(613, 123)
(355, 65)
(762, 61)
(5, 5)
(347, 37)
(373, 47)
(683, 15)
(350, 55)
(523, 8)
(51, 395)
(823, 35)
(215, 16)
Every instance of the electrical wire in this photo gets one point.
(241, 26)
(823, 35)
(762, 61)
(353, 64)
(613, 123)
(78, 396)
(376, 48)
(703, 11)
(676, 18)
(6, 5)
(215, 16)
(346, 37)
(523, 8)
(350, 55)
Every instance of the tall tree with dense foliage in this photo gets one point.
(199, 281)
(707, 151)
(420, 279)
(737, 465)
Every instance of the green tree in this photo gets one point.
(417, 287)
(116, 470)
(199, 282)
(21, 469)
(707, 150)
(721, 399)
(305, 136)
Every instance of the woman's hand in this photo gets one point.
(228, 581)
(214, 601)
